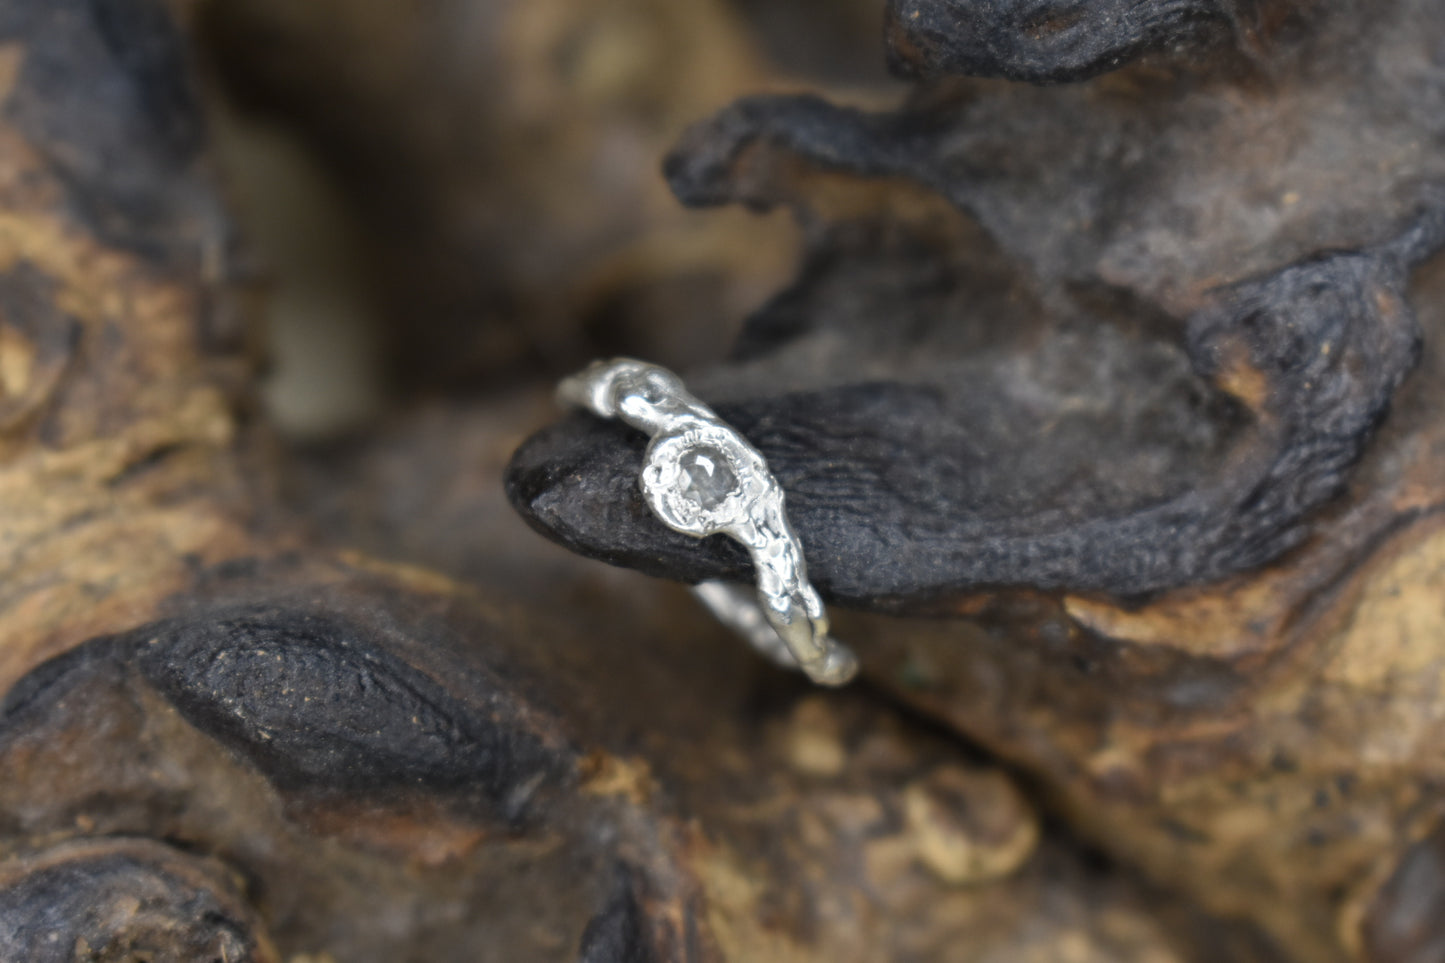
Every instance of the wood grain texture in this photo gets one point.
(1126, 393)
(227, 734)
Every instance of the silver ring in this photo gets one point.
(700, 477)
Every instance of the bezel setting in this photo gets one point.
(664, 484)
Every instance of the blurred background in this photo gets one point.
(461, 197)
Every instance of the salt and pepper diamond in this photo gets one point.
(707, 479)
(701, 480)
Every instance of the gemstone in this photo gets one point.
(706, 478)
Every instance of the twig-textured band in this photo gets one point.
(702, 478)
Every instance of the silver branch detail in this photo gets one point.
(701, 477)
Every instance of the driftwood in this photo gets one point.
(1134, 499)
(1107, 368)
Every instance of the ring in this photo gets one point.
(700, 477)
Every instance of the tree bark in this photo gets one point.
(267, 706)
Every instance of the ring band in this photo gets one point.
(700, 477)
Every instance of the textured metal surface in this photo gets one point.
(691, 447)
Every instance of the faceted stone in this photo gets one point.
(706, 478)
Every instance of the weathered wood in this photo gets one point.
(1133, 387)
(223, 740)
(1118, 376)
